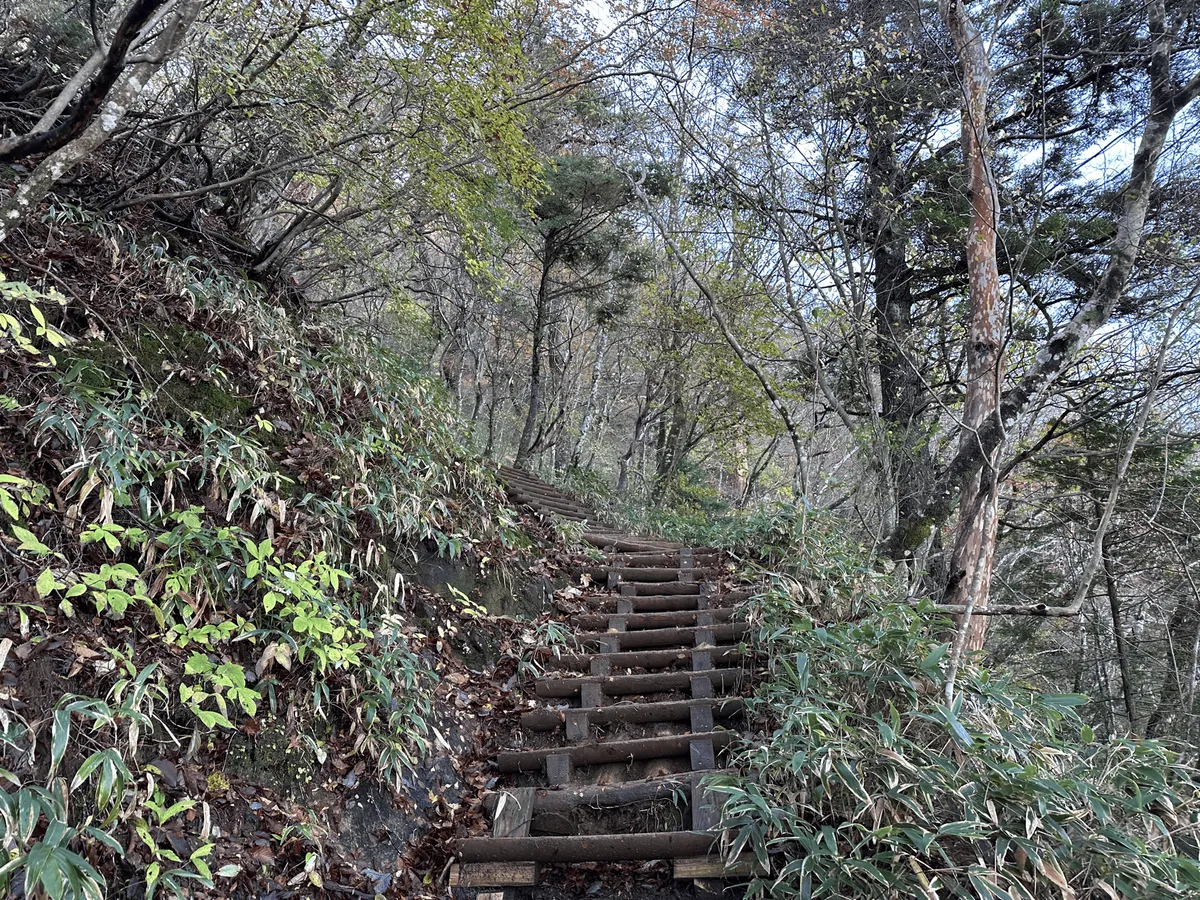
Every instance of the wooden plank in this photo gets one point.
(494, 874)
(591, 696)
(515, 811)
(650, 683)
(588, 848)
(715, 866)
(636, 713)
(558, 769)
(601, 752)
(703, 756)
(578, 726)
(705, 813)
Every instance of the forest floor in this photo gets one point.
(169, 435)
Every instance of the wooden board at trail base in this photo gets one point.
(716, 867)
(494, 874)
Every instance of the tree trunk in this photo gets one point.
(1167, 99)
(590, 409)
(529, 431)
(124, 93)
(901, 386)
(975, 538)
(1123, 660)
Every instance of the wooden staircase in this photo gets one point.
(643, 708)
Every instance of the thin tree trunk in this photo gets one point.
(124, 93)
(1166, 101)
(590, 409)
(528, 432)
(1123, 661)
(975, 539)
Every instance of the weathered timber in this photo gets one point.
(601, 752)
(655, 683)
(715, 866)
(661, 588)
(642, 659)
(589, 848)
(494, 874)
(606, 796)
(665, 637)
(636, 621)
(668, 560)
(623, 542)
(635, 713)
(665, 603)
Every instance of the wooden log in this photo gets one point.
(563, 801)
(666, 603)
(642, 659)
(621, 542)
(715, 866)
(665, 637)
(669, 560)
(636, 621)
(656, 683)
(662, 588)
(494, 874)
(635, 713)
(598, 753)
(588, 848)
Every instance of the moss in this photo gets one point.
(270, 759)
(151, 356)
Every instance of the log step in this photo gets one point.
(600, 752)
(664, 637)
(602, 796)
(588, 848)
(642, 659)
(635, 713)
(616, 685)
(639, 621)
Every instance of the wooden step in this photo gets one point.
(641, 659)
(635, 713)
(660, 588)
(656, 683)
(623, 542)
(663, 603)
(588, 848)
(667, 603)
(601, 752)
(651, 560)
(602, 796)
(662, 637)
(638, 621)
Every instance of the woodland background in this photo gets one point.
(922, 276)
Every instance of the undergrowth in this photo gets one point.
(864, 782)
(208, 502)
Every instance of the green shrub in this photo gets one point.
(863, 783)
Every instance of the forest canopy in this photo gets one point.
(924, 275)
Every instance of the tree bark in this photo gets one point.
(1166, 102)
(124, 93)
(529, 431)
(901, 387)
(109, 89)
(975, 536)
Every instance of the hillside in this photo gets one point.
(514, 450)
(226, 527)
